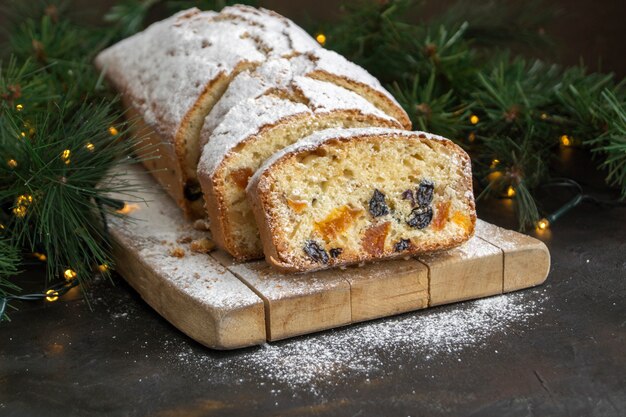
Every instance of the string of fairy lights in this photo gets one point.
(20, 209)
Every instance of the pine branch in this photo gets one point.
(612, 144)
(52, 188)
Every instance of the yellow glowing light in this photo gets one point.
(474, 119)
(321, 39)
(103, 268)
(495, 163)
(1, 226)
(128, 208)
(543, 224)
(544, 116)
(52, 295)
(90, 146)
(19, 107)
(510, 192)
(566, 140)
(494, 176)
(12, 163)
(21, 205)
(23, 134)
(471, 137)
(65, 156)
(69, 274)
(24, 199)
(40, 256)
(113, 131)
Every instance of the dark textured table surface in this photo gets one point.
(557, 350)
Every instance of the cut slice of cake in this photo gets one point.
(255, 129)
(343, 196)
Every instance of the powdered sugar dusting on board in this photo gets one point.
(317, 361)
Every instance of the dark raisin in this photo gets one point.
(192, 191)
(408, 195)
(378, 207)
(335, 252)
(420, 217)
(402, 244)
(315, 251)
(424, 193)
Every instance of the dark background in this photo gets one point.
(591, 31)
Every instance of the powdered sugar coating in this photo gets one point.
(243, 121)
(274, 73)
(297, 39)
(165, 68)
(324, 97)
(324, 60)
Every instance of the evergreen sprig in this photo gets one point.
(61, 133)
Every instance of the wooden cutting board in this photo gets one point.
(226, 305)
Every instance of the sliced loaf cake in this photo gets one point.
(254, 130)
(344, 196)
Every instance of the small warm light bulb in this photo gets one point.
(52, 295)
(40, 256)
(113, 131)
(544, 116)
(65, 156)
(103, 268)
(19, 107)
(543, 224)
(90, 146)
(21, 205)
(474, 119)
(471, 137)
(12, 163)
(321, 39)
(128, 208)
(495, 163)
(23, 134)
(566, 140)
(69, 274)
(510, 192)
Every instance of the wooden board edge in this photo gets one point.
(202, 323)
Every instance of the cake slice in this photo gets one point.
(343, 196)
(255, 129)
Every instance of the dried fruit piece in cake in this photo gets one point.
(369, 171)
(255, 129)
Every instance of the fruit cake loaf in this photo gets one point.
(255, 129)
(344, 196)
(172, 73)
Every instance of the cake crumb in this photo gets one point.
(203, 245)
(177, 252)
(184, 239)
(201, 224)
